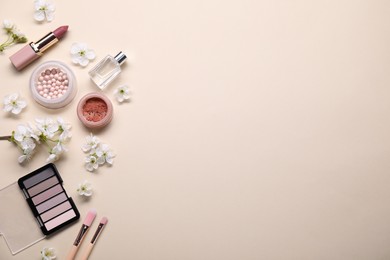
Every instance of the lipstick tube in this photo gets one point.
(34, 50)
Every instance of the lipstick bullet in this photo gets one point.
(34, 50)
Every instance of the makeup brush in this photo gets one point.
(83, 231)
(98, 231)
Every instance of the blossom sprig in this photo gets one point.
(48, 253)
(98, 153)
(14, 35)
(52, 133)
(85, 189)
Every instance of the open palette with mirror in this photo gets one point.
(47, 210)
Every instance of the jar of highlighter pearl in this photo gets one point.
(53, 84)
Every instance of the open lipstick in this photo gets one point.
(34, 50)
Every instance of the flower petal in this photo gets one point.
(21, 103)
(22, 158)
(16, 110)
(51, 7)
(90, 54)
(84, 62)
(7, 108)
(83, 46)
(75, 59)
(39, 16)
(75, 48)
(49, 16)
(110, 160)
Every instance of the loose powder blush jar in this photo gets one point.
(53, 84)
(95, 110)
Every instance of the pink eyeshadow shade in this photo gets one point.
(55, 222)
(47, 194)
(43, 186)
(43, 175)
(56, 211)
(51, 202)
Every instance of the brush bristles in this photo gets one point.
(90, 217)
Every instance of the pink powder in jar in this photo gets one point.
(95, 109)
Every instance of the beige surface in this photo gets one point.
(257, 129)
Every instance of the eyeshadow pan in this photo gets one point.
(43, 186)
(55, 222)
(47, 194)
(38, 178)
(56, 211)
(51, 202)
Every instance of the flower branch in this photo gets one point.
(28, 137)
(14, 35)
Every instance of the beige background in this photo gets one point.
(256, 130)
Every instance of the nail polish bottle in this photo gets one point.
(107, 70)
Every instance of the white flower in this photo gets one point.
(56, 152)
(27, 143)
(33, 132)
(19, 34)
(85, 189)
(23, 132)
(122, 93)
(47, 126)
(81, 54)
(24, 137)
(8, 26)
(27, 154)
(64, 129)
(105, 154)
(13, 104)
(48, 253)
(91, 143)
(60, 146)
(53, 156)
(91, 163)
(43, 9)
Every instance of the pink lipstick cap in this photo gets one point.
(23, 57)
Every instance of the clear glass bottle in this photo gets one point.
(107, 70)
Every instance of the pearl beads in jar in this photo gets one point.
(50, 81)
(48, 86)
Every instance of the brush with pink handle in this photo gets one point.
(83, 231)
(99, 230)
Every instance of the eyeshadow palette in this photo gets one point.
(47, 198)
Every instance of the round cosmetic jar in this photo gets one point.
(53, 84)
(95, 110)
